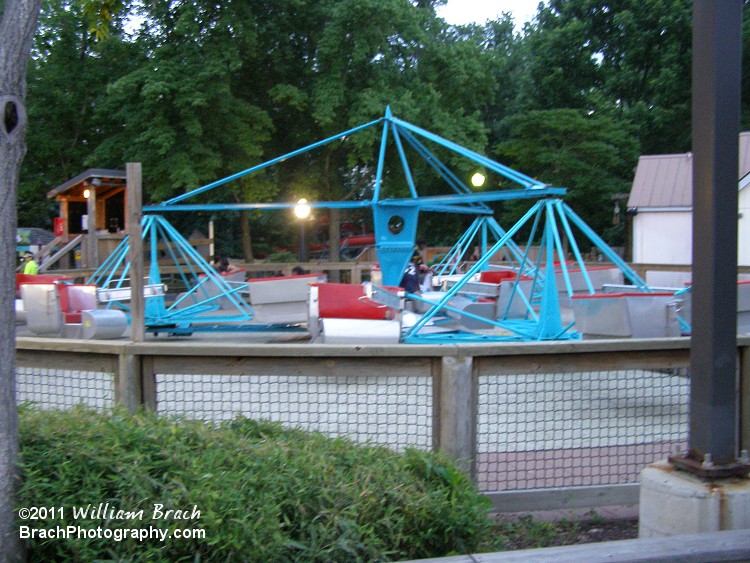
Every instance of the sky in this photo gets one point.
(460, 12)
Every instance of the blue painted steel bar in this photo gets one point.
(477, 267)
(574, 246)
(423, 202)
(381, 156)
(502, 195)
(436, 164)
(537, 279)
(404, 162)
(550, 323)
(447, 266)
(512, 248)
(111, 262)
(610, 254)
(455, 310)
(194, 256)
(155, 307)
(501, 169)
(271, 162)
(255, 206)
(483, 211)
(552, 226)
(181, 271)
(539, 276)
(483, 240)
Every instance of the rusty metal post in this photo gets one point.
(714, 421)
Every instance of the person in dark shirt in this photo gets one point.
(221, 263)
(410, 279)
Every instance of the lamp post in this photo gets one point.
(302, 212)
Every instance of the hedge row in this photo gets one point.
(258, 491)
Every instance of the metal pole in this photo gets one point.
(92, 255)
(714, 421)
(302, 248)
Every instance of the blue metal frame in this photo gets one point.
(543, 319)
(395, 221)
(390, 247)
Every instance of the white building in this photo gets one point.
(661, 208)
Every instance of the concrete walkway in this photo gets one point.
(699, 548)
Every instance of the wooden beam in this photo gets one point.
(135, 253)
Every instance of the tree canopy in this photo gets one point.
(197, 90)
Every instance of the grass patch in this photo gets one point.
(264, 492)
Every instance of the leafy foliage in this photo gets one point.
(591, 155)
(265, 493)
(202, 90)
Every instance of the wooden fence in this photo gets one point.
(460, 389)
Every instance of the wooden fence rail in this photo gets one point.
(454, 373)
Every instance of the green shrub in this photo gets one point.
(280, 257)
(265, 493)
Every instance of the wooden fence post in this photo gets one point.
(457, 411)
(128, 381)
(135, 250)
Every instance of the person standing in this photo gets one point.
(30, 267)
(410, 279)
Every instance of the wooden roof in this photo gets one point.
(75, 186)
(666, 180)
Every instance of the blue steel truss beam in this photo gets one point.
(267, 164)
(507, 172)
(404, 162)
(426, 203)
(436, 164)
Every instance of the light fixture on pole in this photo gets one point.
(302, 212)
(477, 180)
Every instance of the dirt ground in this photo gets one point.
(531, 531)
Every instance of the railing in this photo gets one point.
(538, 425)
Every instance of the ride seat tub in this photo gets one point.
(282, 299)
(42, 305)
(342, 314)
(481, 307)
(626, 315)
(38, 278)
(76, 298)
(743, 306)
(598, 276)
(233, 278)
(506, 280)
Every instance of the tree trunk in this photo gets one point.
(247, 240)
(17, 27)
(334, 242)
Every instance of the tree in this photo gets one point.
(17, 26)
(593, 155)
(19, 19)
(631, 56)
(67, 78)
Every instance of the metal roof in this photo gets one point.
(89, 174)
(666, 180)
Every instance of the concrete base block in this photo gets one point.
(673, 502)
